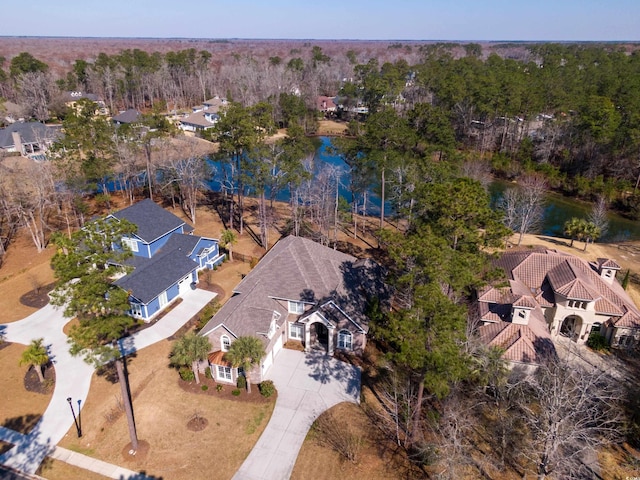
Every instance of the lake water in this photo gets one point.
(558, 209)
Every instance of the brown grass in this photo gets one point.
(56, 470)
(162, 410)
(19, 408)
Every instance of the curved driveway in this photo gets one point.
(308, 384)
(73, 375)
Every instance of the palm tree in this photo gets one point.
(227, 239)
(591, 233)
(245, 352)
(572, 228)
(36, 355)
(189, 350)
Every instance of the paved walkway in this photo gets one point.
(308, 384)
(73, 375)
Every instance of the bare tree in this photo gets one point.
(35, 90)
(523, 206)
(598, 215)
(570, 410)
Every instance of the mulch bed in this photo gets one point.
(226, 392)
(197, 423)
(139, 455)
(32, 382)
(37, 298)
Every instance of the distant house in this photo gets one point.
(199, 121)
(300, 291)
(31, 139)
(326, 105)
(166, 258)
(550, 294)
(214, 104)
(129, 117)
(71, 101)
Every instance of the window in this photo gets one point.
(344, 340)
(296, 331)
(224, 373)
(136, 310)
(577, 304)
(130, 243)
(225, 343)
(296, 307)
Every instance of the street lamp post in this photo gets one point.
(75, 420)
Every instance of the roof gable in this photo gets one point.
(152, 220)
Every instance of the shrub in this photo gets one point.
(253, 262)
(242, 382)
(342, 439)
(267, 388)
(207, 373)
(597, 342)
(219, 388)
(235, 392)
(204, 388)
(186, 374)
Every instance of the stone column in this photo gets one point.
(307, 336)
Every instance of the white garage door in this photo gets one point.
(184, 284)
(267, 361)
(278, 346)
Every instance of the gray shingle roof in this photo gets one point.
(153, 277)
(152, 220)
(298, 269)
(30, 132)
(128, 116)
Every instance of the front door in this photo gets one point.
(322, 334)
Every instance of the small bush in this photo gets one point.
(235, 392)
(204, 388)
(219, 388)
(253, 262)
(186, 374)
(242, 382)
(597, 342)
(342, 439)
(267, 388)
(207, 373)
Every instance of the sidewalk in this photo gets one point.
(73, 375)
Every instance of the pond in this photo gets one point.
(558, 209)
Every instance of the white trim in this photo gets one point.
(224, 346)
(216, 327)
(342, 335)
(130, 243)
(225, 370)
(343, 312)
(298, 327)
(297, 306)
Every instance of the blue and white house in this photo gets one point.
(166, 258)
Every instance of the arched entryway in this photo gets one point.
(571, 327)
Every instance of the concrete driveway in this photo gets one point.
(308, 384)
(73, 375)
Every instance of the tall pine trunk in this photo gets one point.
(126, 400)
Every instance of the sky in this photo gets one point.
(465, 20)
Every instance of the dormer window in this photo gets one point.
(296, 308)
(130, 243)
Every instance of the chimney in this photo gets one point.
(17, 142)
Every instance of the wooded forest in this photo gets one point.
(435, 121)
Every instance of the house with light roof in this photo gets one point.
(549, 294)
(300, 291)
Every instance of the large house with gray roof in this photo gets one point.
(166, 258)
(28, 138)
(550, 293)
(300, 291)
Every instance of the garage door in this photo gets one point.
(267, 361)
(278, 346)
(184, 284)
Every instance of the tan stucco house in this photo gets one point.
(300, 291)
(550, 293)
